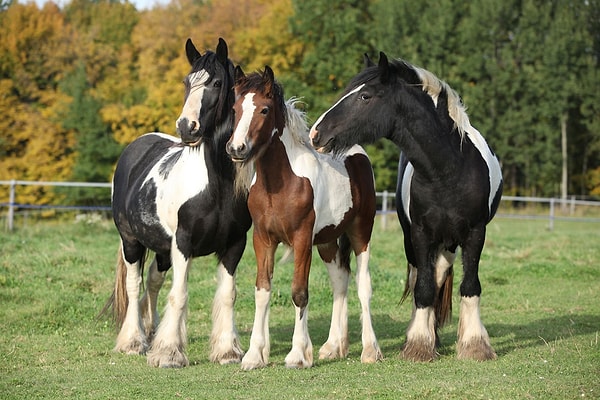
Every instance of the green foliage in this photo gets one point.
(95, 150)
(334, 35)
(54, 279)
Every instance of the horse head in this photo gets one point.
(260, 113)
(366, 99)
(208, 93)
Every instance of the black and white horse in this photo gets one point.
(179, 199)
(449, 187)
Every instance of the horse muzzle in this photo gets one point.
(189, 131)
(238, 153)
(316, 140)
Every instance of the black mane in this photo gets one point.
(256, 82)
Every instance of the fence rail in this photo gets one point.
(553, 209)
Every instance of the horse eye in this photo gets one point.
(218, 83)
(365, 96)
(264, 111)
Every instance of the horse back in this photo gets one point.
(138, 158)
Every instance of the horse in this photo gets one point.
(181, 198)
(449, 187)
(302, 198)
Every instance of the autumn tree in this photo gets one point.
(95, 148)
(334, 34)
(35, 53)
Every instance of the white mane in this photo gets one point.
(296, 123)
(456, 109)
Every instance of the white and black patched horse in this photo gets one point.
(179, 199)
(449, 187)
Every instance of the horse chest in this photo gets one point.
(176, 179)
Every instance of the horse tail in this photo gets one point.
(345, 250)
(443, 304)
(118, 300)
(288, 255)
(119, 296)
(407, 288)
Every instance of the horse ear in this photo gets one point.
(191, 52)
(222, 53)
(268, 74)
(367, 61)
(239, 74)
(269, 79)
(384, 68)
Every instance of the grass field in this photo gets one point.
(540, 304)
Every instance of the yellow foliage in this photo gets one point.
(34, 55)
(270, 41)
(593, 178)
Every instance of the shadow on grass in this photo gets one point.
(506, 337)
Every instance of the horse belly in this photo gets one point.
(332, 198)
(144, 221)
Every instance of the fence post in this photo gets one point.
(11, 205)
(384, 210)
(551, 223)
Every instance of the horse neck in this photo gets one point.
(428, 141)
(273, 167)
(215, 150)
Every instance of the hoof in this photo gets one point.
(255, 359)
(419, 351)
(231, 357)
(371, 355)
(226, 352)
(137, 346)
(478, 349)
(331, 351)
(167, 358)
(296, 360)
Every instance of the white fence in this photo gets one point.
(12, 206)
(517, 207)
(551, 209)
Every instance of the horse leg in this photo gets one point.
(131, 338)
(225, 341)
(301, 355)
(260, 345)
(149, 302)
(168, 346)
(337, 342)
(371, 352)
(224, 338)
(473, 339)
(421, 335)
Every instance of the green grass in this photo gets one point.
(540, 305)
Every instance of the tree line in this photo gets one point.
(80, 81)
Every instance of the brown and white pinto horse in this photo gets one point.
(300, 197)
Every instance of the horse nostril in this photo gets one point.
(236, 151)
(314, 138)
(193, 126)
